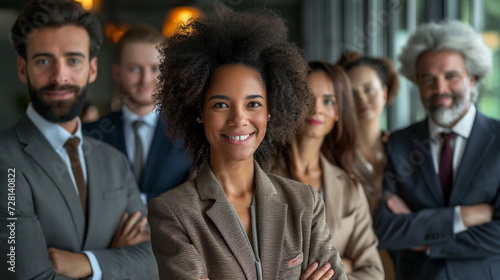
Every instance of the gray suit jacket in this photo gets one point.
(48, 209)
(195, 233)
(410, 173)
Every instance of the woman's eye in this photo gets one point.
(329, 102)
(254, 104)
(369, 90)
(220, 105)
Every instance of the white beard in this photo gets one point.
(447, 116)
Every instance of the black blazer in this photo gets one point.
(410, 173)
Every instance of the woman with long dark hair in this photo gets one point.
(327, 140)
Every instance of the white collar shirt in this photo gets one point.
(462, 128)
(146, 132)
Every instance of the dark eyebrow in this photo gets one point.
(219, 97)
(74, 54)
(329, 95)
(51, 55)
(424, 75)
(224, 97)
(41, 54)
(254, 96)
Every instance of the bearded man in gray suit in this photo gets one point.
(72, 205)
(442, 173)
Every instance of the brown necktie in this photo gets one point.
(72, 149)
(446, 164)
(138, 150)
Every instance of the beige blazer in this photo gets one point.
(195, 233)
(348, 217)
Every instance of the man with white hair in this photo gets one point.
(441, 179)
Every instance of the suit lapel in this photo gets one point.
(117, 139)
(159, 149)
(94, 170)
(271, 222)
(477, 148)
(421, 145)
(40, 150)
(330, 175)
(224, 218)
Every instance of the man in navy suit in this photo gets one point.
(135, 129)
(442, 177)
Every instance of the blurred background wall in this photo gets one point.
(322, 28)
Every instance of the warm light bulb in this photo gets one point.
(86, 4)
(177, 16)
(184, 16)
(492, 39)
(114, 31)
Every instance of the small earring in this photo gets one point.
(269, 117)
(198, 120)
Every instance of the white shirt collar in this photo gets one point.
(463, 127)
(149, 119)
(55, 134)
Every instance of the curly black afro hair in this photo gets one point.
(254, 39)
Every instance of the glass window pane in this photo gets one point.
(489, 91)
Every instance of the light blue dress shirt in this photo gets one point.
(146, 133)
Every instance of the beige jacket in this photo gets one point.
(195, 233)
(348, 217)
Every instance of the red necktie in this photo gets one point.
(446, 164)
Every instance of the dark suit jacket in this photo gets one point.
(195, 233)
(410, 173)
(49, 212)
(166, 166)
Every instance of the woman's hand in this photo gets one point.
(314, 273)
(397, 205)
(347, 264)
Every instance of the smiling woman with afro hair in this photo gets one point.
(234, 89)
(191, 56)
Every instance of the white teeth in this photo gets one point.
(239, 138)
